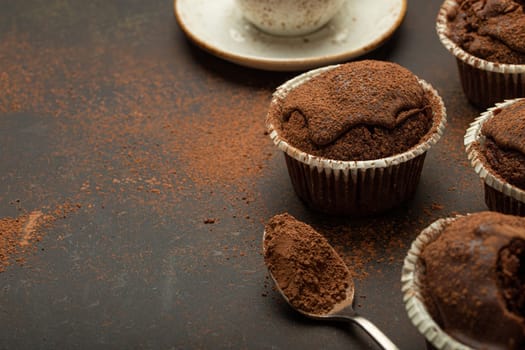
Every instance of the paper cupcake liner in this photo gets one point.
(499, 194)
(484, 83)
(367, 191)
(412, 288)
(355, 187)
(505, 204)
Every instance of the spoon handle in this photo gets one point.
(380, 338)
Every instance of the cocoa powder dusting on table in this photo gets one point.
(133, 139)
(11, 233)
(19, 236)
(366, 246)
(129, 130)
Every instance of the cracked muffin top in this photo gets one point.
(357, 111)
(493, 30)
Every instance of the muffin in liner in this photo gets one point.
(412, 288)
(355, 187)
(499, 194)
(484, 83)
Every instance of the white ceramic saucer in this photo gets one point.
(359, 27)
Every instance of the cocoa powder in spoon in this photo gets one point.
(304, 265)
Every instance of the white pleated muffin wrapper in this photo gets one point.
(327, 183)
(484, 83)
(411, 286)
(499, 194)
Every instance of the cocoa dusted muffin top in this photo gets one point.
(507, 127)
(504, 146)
(474, 280)
(356, 111)
(493, 30)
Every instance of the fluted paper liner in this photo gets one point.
(499, 194)
(411, 280)
(355, 187)
(484, 83)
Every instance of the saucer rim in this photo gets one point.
(290, 64)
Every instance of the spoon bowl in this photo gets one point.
(342, 310)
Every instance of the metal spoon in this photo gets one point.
(342, 311)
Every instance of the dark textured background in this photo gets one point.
(99, 103)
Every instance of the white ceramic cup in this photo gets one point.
(289, 17)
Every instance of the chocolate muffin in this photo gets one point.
(469, 274)
(504, 146)
(495, 144)
(331, 116)
(487, 37)
(493, 30)
(473, 282)
(355, 135)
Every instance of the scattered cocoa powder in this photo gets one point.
(118, 124)
(437, 206)
(19, 235)
(364, 245)
(130, 139)
(11, 233)
(304, 265)
(130, 129)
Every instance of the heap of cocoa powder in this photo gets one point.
(304, 265)
(19, 235)
(16, 236)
